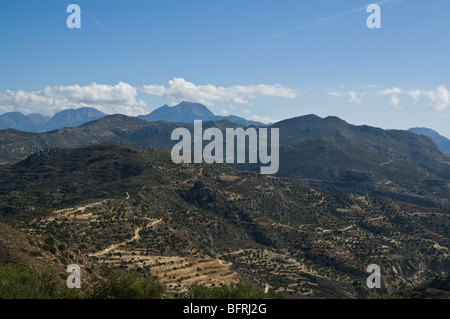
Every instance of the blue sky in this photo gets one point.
(260, 59)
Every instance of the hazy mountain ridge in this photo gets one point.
(188, 112)
(37, 123)
(18, 121)
(185, 112)
(72, 118)
(441, 142)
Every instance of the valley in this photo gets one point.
(135, 209)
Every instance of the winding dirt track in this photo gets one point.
(135, 237)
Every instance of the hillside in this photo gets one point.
(134, 208)
(326, 153)
(16, 145)
(332, 154)
(41, 253)
(435, 288)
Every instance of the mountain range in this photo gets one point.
(327, 153)
(18, 121)
(36, 122)
(185, 112)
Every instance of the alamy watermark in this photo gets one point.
(374, 20)
(235, 140)
(374, 280)
(74, 20)
(74, 279)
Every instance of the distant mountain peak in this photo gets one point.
(188, 112)
(73, 117)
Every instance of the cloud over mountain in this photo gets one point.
(180, 89)
(119, 98)
(124, 98)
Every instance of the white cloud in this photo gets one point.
(225, 112)
(120, 98)
(395, 102)
(394, 90)
(354, 97)
(180, 89)
(415, 94)
(440, 98)
(262, 119)
(122, 93)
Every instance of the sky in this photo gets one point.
(265, 60)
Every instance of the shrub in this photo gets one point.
(228, 291)
(21, 282)
(118, 284)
